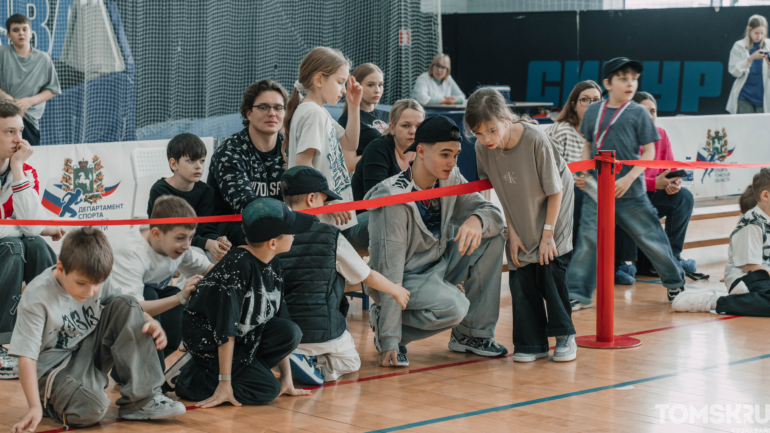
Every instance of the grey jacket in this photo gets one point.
(399, 241)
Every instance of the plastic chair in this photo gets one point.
(147, 161)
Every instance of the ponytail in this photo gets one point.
(320, 60)
(291, 106)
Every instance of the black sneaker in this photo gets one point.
(403, 361)
(172, 374)
(374, 319)
(9, 365)
(577, 305)
(673, 292)
(480, 346)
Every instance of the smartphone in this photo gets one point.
(678, 173)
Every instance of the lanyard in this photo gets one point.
(603, 108)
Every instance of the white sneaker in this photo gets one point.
(160, 407)
(528, 357)
(695, 301)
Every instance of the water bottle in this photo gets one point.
(687, 181)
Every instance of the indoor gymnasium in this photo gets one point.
(379, 216)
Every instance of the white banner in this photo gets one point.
(731, 139)
(95, 181)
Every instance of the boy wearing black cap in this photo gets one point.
(236, 326)
(429, 246)
(621, 125)
(315, 289)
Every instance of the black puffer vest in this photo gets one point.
(314, 290)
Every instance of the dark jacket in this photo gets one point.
(201, 198)
(376, 164)
(314, 290)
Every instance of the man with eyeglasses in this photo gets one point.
(249, 164)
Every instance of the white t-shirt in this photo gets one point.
(51, 323)
(313, 128)
(349, 264)
(137, 265)
(748, 243)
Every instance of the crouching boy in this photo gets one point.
(315, 289)
(236, 327)
(69, 334)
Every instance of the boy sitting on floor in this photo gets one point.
(69, 334)
(315, 290)
(146, 262)
(748, 263)
(236, 326)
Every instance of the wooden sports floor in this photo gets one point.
(689, 359)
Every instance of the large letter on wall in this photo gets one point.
(37, 12)
(665, 86)
(574, 74)
(701, 79)
(540, 72)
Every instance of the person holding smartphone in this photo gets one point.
(664, 188)
(749, 64)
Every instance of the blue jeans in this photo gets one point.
(639, 219)
(677, 208)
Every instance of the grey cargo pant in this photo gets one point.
(78, 383)
(435, 304)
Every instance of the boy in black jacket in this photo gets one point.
(320, 267)
(187, 156)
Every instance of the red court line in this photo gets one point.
(420, 370)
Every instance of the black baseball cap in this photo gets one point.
(301, 180)
(268, 218)
(435, 129)
(619, 62)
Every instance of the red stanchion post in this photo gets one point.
(605, 262)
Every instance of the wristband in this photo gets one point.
(225, 377)
(181, 298)
(548, 227)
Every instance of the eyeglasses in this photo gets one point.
(264, 108)
(587, 101)
(439, 67)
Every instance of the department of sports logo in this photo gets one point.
(80, 183)
(716, 149)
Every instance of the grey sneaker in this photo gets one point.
(9, 365)
(159, 407)
(528, 357)
(374, 319)
(566, 348)
(480, 346)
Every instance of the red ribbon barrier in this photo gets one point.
(447, 191)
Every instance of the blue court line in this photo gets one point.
(563, 396)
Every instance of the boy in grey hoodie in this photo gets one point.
(429, 246)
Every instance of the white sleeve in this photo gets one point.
(26, 204)
(455, 90)
(421, 93)
(194, 263)
(127, 276)
(738, 64)
(349, 264)
(747, 246)
(310, 131)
